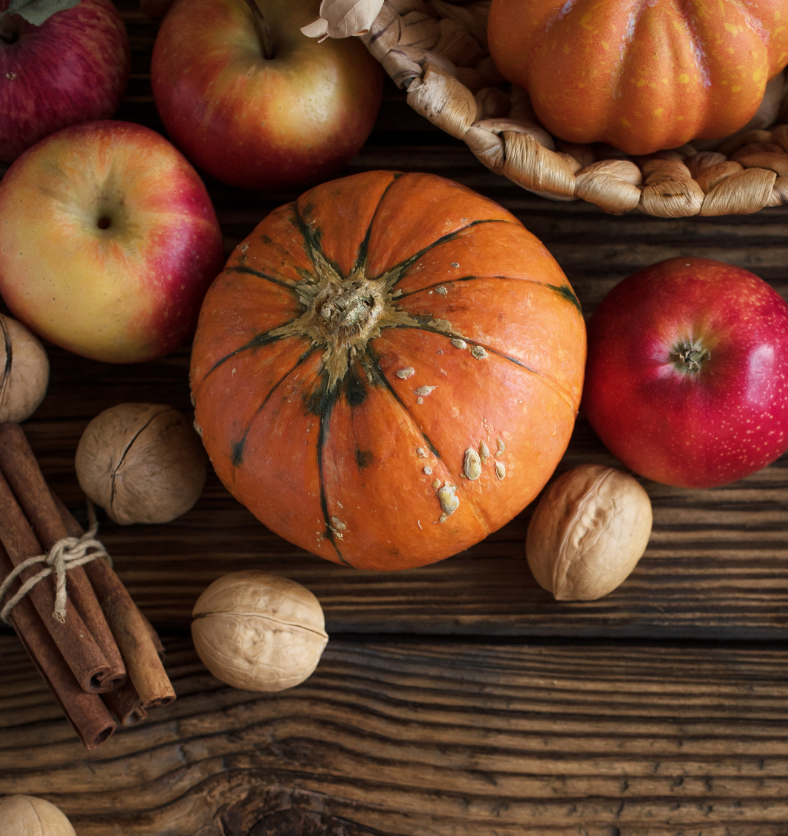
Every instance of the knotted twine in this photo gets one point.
(66, 554)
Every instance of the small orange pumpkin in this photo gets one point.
(642, 75)
(388, 369)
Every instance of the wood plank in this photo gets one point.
(715, 566)
(445, 739)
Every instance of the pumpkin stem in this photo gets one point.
(347, 309)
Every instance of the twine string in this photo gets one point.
(66, 554)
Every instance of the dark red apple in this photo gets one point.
(687, 373)
(254, 102)
(71, 67)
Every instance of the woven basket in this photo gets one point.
(437, 51)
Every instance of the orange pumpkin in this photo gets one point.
(642, 75)
(388, 369)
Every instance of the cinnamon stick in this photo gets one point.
(20, 468)
(157, 643)
(80, 652)
(86, 712)
(132, 631)
(125, 704)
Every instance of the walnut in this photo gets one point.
(31, 816)
(25, 374)
(142, 463)
(588, 532)
(258, 632)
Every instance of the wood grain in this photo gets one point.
(715, 566)
(458, 699)
(429, 739)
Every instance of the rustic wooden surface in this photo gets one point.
(429, 738)
(457, 698)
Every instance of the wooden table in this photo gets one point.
(458, 699)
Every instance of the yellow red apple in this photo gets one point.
(254, 102)
(108, 241)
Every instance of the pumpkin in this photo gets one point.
(388, 369)
(641, 75)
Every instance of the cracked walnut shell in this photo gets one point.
(258, 632)
(25, 371)
(142, 463)
(588, 532)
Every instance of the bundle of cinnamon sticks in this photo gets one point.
(103, 660)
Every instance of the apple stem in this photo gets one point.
(7, 34)
(263, 30)
(690, 356)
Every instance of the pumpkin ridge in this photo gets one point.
(248, 271)
(236, 456)
(690, 32)
(697, 46)
(623, 66)
(258, 341)
(320, 446)
(469, 498)
(562, 290)
(554, 385)
(312, 239)
(363, 247)
(321, 403)
(393, 274)
(450, 333)
(751, 21)
(390, 389)
(634, 22)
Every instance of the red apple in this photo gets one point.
(72, 67)
(254, 102)
(108, 241)
(687, 373)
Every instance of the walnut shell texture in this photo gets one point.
(30, 816)
(258, 632)
(25, 371)
(588, 532)
(142, 463)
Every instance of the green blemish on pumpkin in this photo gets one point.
(568, 294)
(355, 388)
(312, 236)
(321, 399)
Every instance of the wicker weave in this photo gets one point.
(437, 51)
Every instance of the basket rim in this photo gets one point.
(424, 46)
